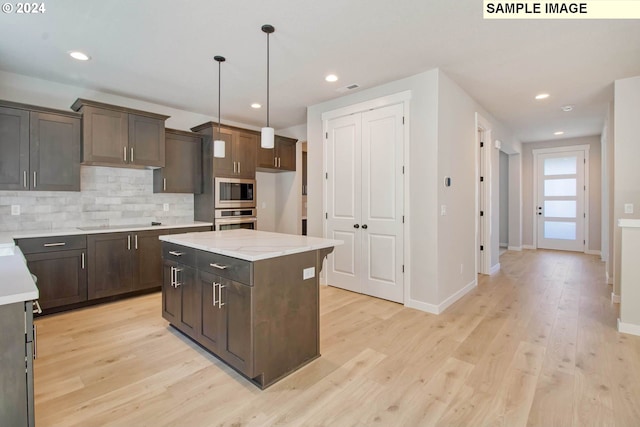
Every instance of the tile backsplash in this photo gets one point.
(108, 196)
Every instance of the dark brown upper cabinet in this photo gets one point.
(39, 148)
(241, 148)
(182, 172)
(282, 157)
(119, 136)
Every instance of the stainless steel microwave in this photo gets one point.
(234, 193)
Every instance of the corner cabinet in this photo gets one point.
(119, 136)
(39, 148)
(282, 157)
(182, 172)
(241, 150)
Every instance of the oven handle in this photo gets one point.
(237, 220)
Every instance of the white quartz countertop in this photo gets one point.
(7, 237)
(250, 245)
(17, 284)
(631, 223)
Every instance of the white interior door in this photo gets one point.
(560, 208)
(365, 202)
(344, 177)
(382, 203)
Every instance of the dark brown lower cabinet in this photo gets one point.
(226, 320)
(110, 264)
(180, 297)
(261, 317)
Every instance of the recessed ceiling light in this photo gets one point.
(567, 108)
(542, 96)
(559, 133)
(80, 56)
(331, 78)
(256, 105)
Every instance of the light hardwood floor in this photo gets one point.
(534, 345)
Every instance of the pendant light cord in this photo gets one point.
(219, 86)
(267, 79)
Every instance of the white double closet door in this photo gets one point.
(364, 200)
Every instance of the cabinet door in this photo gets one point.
(186, 283)
(148, 259)
(146, 141)
(245, 152)
(237, 339)
(266, 157)
(286, 153)
(62, 277)
(14, 149)
(55, 152)
(105, 136)
(170, 294)
(110, 264)
(210, 329)
(182, 172)
(14, 382)
(225, 166)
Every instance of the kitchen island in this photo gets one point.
(249, 297)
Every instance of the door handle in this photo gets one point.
(356, 225)
(220, 303)
(214, 284)
(365, 226)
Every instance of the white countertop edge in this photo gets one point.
(17, 283)
(259, 252)
(6, 237)
(19, 297)
(628, 223)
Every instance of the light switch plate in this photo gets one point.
(15, 210)
(628, 208)
(308, 273)
(165, 207)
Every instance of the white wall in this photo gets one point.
(515, 201)
(289, 187)
(442, 143)
(608, 223)
(626, 156)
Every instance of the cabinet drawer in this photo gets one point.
(178, 253)
(224, 266)
(51, 244)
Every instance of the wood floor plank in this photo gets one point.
(533, 345)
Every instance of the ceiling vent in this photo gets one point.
(348, 88)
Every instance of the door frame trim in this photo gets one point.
(403, 98)
(483, 166)
(538, 151)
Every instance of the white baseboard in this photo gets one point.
(503, 245)
(592, 252)
(514, 248)
(528, 247)
(628, 328)
(493, 270)
(437, 309)
(615, 298)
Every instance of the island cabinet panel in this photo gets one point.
(180, 297)
(260, 317)
(226, 320)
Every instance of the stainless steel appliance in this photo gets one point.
(229, 219)
(233, 193)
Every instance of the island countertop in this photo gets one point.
(250, 245)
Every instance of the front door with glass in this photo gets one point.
(560, 208)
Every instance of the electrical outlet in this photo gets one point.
(308, 273)
(15, 210)
(165, 207)
(628, 208)
(443, 210)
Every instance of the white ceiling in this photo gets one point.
(162, 51)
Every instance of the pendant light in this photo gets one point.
(218, 144)
(267, 134)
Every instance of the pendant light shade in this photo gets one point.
(267, 139)
(219, 144)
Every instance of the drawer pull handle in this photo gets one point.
(48, 245)
(36, 307)
(176, 253)
(219, 266)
